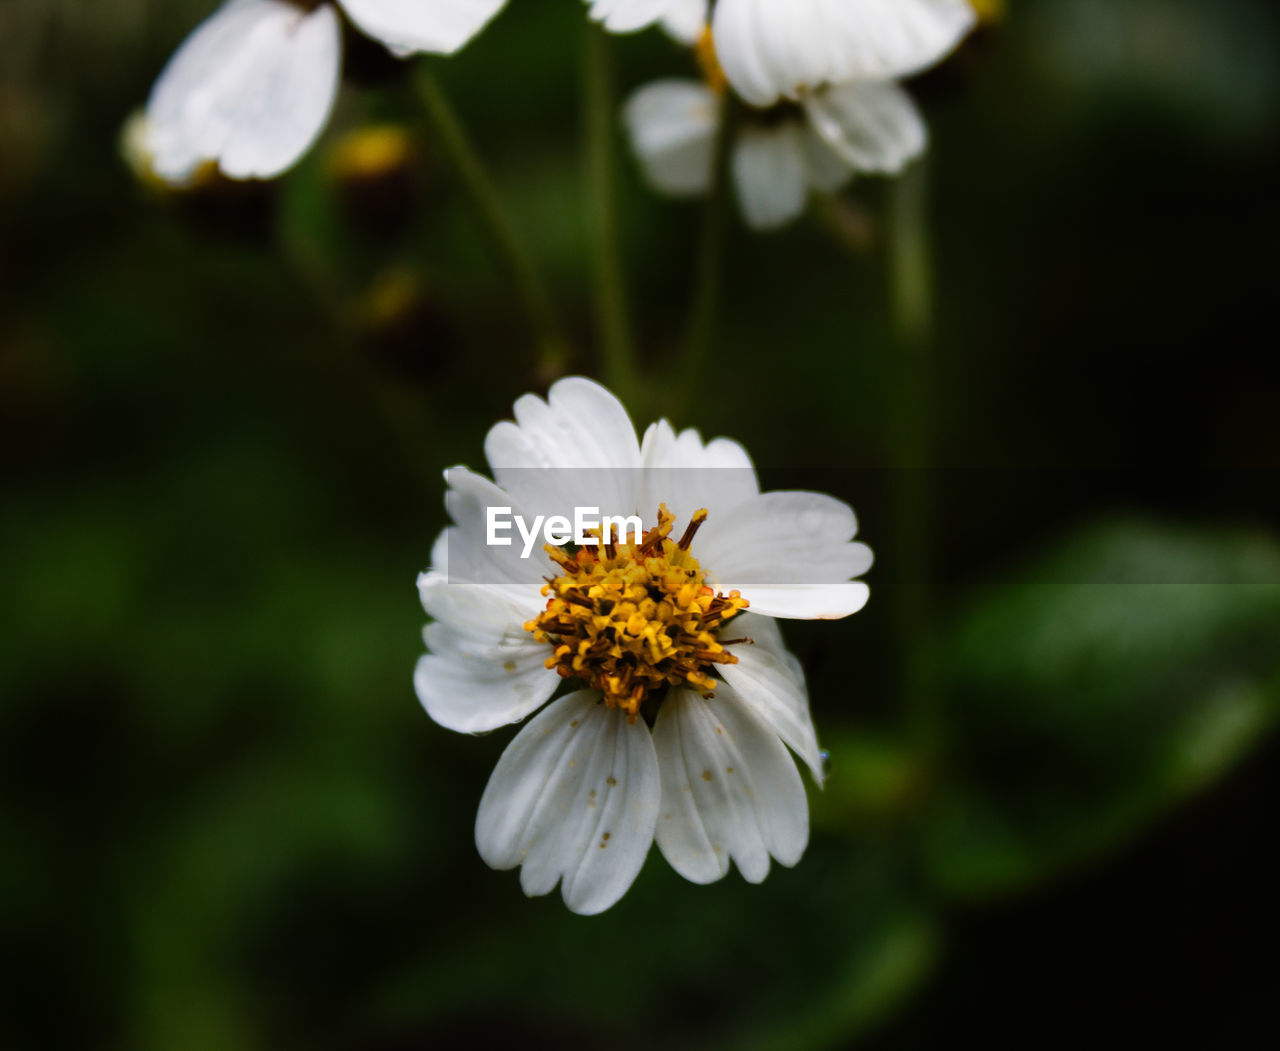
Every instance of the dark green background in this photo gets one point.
(228, 823)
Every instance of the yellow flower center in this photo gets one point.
(628, 619)
(370, 152)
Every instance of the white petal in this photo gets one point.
(872, 127)
(663, 448)
(770, 50)
(807, 601)
(497, 611)
(249, 89)
(791, 554)
(687, 474)
(482, 688)
(769, 679)
(574, 797)
(440, 27)
(686, 20)
(626, 16)
(484, 670)
(463, 552)
(672, 125)
(730, 789)
(581, 424)
(827, 171)
(576, 449)
(770, 171)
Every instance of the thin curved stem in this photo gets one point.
(612, 311)
(490, 209)
(709, 273)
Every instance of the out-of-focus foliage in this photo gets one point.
(1215, 65)
(1127, 669)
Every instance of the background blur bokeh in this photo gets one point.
(223, 415)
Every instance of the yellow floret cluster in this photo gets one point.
(631, 618)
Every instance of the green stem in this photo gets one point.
(606, 230)
(487, 201)
(709, 273)
(911, 259)
(911, 277)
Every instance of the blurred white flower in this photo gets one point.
(771, 50)
(781, 154)
(785, 49)
(682, 17)
(253, 85)
(653, 634)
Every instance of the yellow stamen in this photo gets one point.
(705, 49)
(628, 619)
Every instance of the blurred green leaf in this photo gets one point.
(678, 964)
(890, 961)
(1123, 672)
(873, 778)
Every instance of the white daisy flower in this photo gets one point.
(686, 699)
(783, 49)
(780, 154)
(253, 85)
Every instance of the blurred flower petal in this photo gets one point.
(771, 50)
(672, 124)
(250, 90)
(437, 26)
(769, 170)
(626, 16)
(872, 127)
